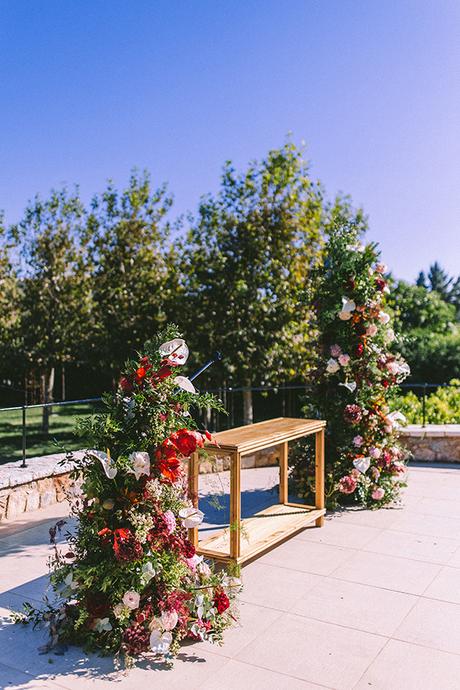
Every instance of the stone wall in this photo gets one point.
(45, 480)
(433, 443)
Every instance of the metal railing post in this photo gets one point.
(24, 439)
(424, 405)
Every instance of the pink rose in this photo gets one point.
(336, 350)
(371, 330)
(344, 360)
(378, 494)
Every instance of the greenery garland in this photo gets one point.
(129, 580)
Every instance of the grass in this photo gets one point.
(61, 434)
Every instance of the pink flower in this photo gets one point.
(371, 330)
(347, 485)
(170, 520)
(336, 350)
(169, 620)
(131, 599)
(358, 441)
(344, 360)
(378, 493)
(381, 268)
(375, 452)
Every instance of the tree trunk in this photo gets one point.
(63, 382)
(248, 412)
(47, 386)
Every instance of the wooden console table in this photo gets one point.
(243, 541)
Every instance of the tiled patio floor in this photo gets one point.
(372, 601)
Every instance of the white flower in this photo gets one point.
(395, 417)
(106, 462)
(393, 367)
(160, 642)
(204, 569)
(191, 517)
(232, 583)
(351, 386)
(131, 599)
(362, 464)
(332, 366)
(185, 383)
(348, 306)
(389, 335)
(175, 350)
(169, 620)
(148, 571)
(383, 317)
(102, 624)
(140, 462)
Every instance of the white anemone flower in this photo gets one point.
(175, 350)
(140, 462)
(160, 642)
(362, 464)
(332, 366)
(185, 383)
(106, 462)
(191, 517)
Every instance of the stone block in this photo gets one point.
(48, 498)
(33, 500)
(62, 487)
(17, 502)
(4, 495)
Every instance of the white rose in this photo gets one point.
(332, 366)
(131, 599)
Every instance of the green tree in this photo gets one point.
(9, 309)
(245, 270)
(130, 261)
(439, 281)
(416, 307)
(55, 298)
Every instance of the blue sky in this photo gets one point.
(92, 88)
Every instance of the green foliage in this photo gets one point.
(441, 407)
(130, 263)
(416, 308)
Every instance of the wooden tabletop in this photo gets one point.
(252, 437)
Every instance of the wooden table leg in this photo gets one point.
(235, 505)
(284, 450)
(193, 492)
(319, 474)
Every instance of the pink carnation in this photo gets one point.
(347, 484)
(336, 350)
(170, 521)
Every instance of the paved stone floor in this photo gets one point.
(372, 600)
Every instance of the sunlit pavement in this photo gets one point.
(372, 600)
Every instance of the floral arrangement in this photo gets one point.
(129, 580)
(357, 375)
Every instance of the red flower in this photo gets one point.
(359, 349)
(352, 414)
(125, 545)
(221, 601)
(186, 441)
(126, 384)
(170, 468)
(380, 283)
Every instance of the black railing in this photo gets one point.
(267, 401)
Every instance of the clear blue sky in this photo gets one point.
(91, 88)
